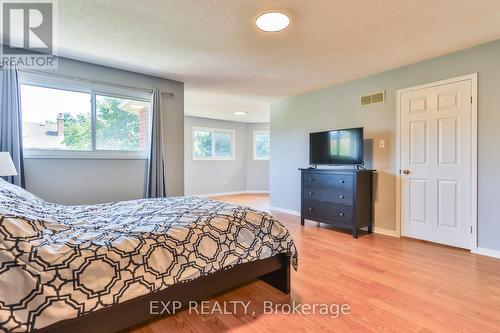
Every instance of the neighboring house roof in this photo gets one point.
(42, 135)
(133, 106)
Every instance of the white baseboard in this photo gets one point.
(487, 252)
(376, 230)
(217, 194)
(387, 232)
(228, 193)
(286, 211)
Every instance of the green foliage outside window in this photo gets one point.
(77, 131)
(222, 144)
(202, 144)
(262, 145)
(211, 144)
(116, 129)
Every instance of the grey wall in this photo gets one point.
(205, 177)
(239, 175)
(338, 106)
(86, 181)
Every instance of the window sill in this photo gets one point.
(101, 155)
(213, 159)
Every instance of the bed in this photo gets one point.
(97, 267)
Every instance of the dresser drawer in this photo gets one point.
(327, 180)
(328, 212)
(329, 195)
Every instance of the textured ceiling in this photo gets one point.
(214, 47)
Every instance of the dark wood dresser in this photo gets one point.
(340, 197)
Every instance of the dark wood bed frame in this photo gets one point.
(274, 271)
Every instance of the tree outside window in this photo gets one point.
(262, 146)
(213, 144)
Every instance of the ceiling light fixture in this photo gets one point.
(240, 113)
(272, 22)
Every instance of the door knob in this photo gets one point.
(406, 172)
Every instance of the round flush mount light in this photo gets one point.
(239, 113)
(272, 21)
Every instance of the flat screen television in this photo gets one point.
(337, 147)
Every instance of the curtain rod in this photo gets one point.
(102, 83)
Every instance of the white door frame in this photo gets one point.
(473, 145)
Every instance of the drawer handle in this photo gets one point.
(342, 181)
(311, 193)
(310, 208)
(341, 196)
(341, 214)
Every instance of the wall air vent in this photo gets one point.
(375, 98)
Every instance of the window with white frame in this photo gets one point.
(261, 145)
(64, 120)
(213, 144)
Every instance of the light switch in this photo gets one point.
(381, 144)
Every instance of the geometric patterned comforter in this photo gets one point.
(59, 262)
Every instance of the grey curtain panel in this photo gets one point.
(156, 164)
(11, 123)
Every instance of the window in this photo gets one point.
(55, 119)
(67, 121)
(261, 145)
(121, 124)
(213, 144)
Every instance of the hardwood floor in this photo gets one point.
(390, 284)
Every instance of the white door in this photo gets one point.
(436, 163)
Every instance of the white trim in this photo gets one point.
(387, 232)
(254, 145)
(285, 210)
(214, 158)
(48, 80)
(73, 154)
(487, 252)
(467, 77)
(473, 170)
(398, 164)
(205, 195)
(473, 145)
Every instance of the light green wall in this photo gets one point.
(338, 106)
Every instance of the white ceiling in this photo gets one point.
(229, 65)
(214, 105)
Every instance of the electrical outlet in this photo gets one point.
(381, 144)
